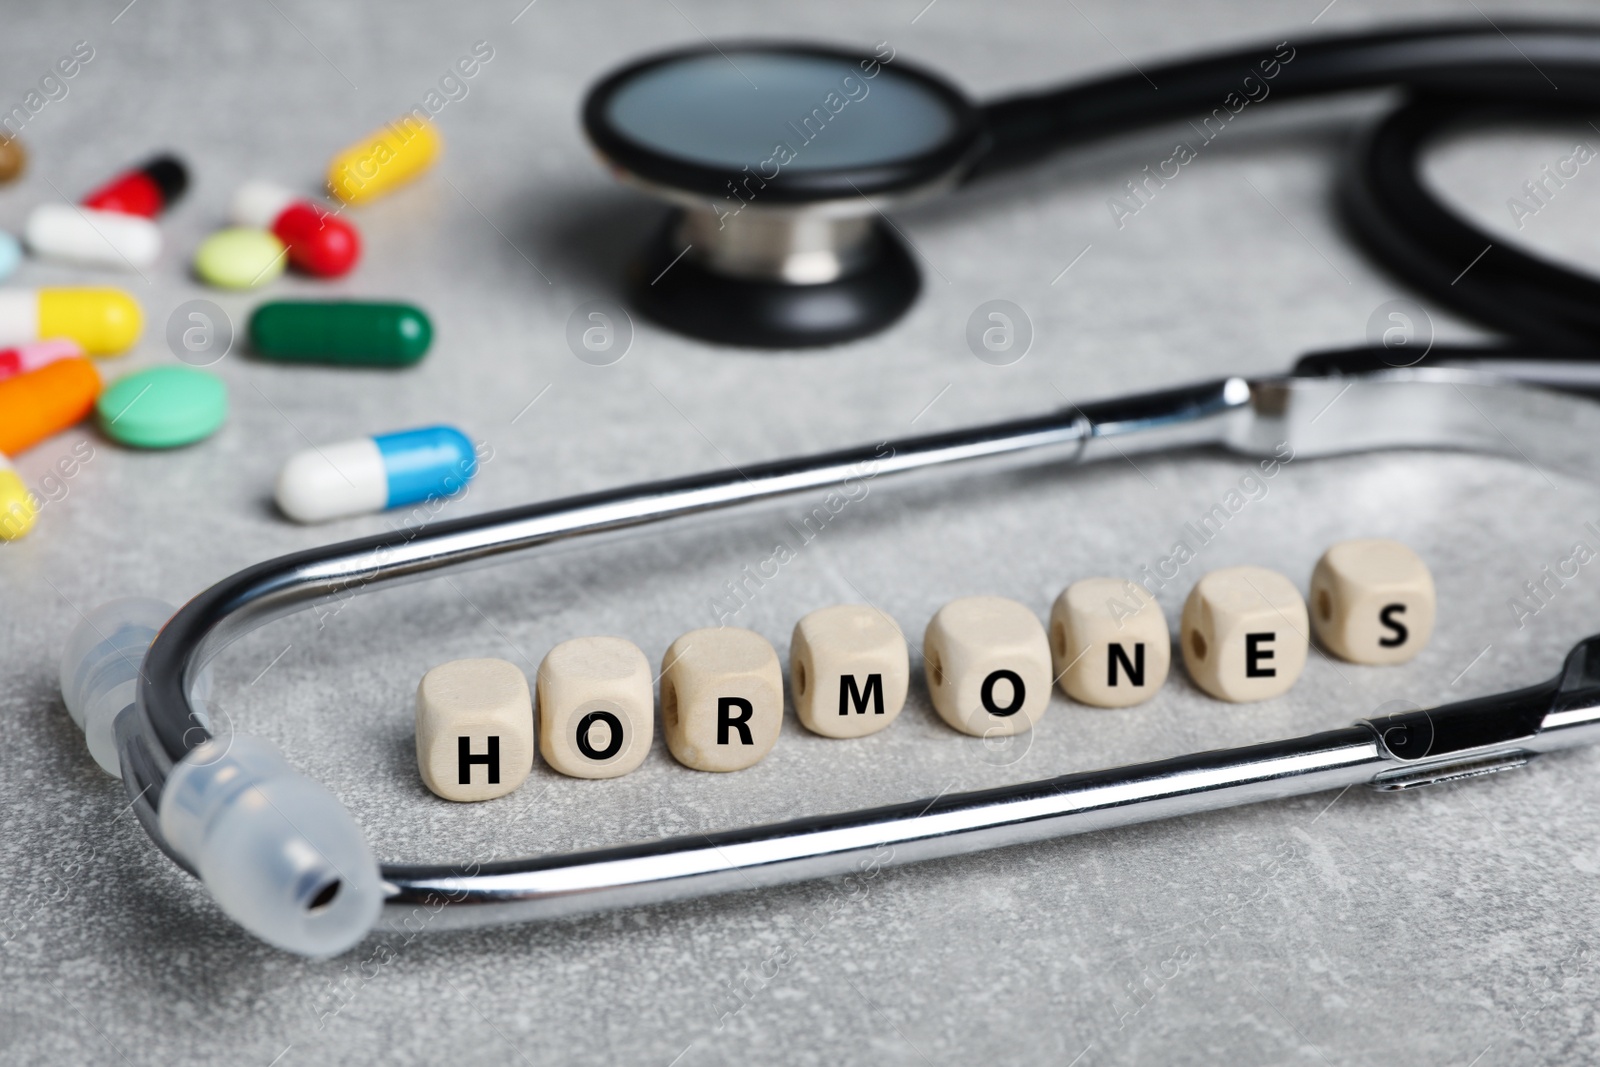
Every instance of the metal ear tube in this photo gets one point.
(285, 860)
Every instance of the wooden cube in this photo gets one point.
(1372, 601)
(1110, 642)
(1244, 634)
(848, 670)
(596, 707)
(987, 663)
(721, 699)
(474, 729)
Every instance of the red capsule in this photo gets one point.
(319, 241)
(147, 190)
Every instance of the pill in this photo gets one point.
(319, 241)
(92, 238)
(373, 473)
(147, 190)
(10, 254)
(18, 507)
(383, 160)
(13, 160)
(21, 359)
(349, 332)
(163, 407)
(239, 258)
(103, 321)
(45, 401)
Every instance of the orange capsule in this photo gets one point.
(45, 401)
(12, 158)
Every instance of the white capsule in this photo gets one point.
(19, 316)
(82, 235)
(258, 204)
(333, 481)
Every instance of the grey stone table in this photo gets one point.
(1429, 928)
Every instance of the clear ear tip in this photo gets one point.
(279, 853)
(100, 668)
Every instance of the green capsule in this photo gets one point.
(346, 332)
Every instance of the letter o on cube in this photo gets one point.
(848, 670)
(596, 707)
(721, 699)
(1244, 634)
(1372, 601)
(474, 729)
(1110, 640)
(987, 664)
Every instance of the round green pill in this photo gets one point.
(240, 258)
(163, 407)
(347, 332)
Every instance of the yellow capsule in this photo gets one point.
(384, 160)
(102, 321)
(18, 508)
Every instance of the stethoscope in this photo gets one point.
(781, 162)
(281, 855)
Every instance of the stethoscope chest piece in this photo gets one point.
(778, 163)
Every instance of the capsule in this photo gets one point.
(18, 507)
(10, 254)
(20, 359)
(13, 160)
(147, 190)
(92, 238)
(374, 473)
(319, 242)
(46, 401)
(102, 321)
(384, 160)
(345, 332)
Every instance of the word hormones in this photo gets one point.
(988, 663)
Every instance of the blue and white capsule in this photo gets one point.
(374, 473)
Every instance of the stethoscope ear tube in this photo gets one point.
(276, 850)
(285, 860)
(1572, 372)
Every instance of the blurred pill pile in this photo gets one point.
(52, 339)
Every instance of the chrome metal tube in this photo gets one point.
(1309, 416)
(580, 882)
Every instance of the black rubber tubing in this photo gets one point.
(1454, 74)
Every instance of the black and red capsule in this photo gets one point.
(147, 190)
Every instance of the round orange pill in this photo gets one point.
(45, 401)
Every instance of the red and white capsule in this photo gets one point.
(319, 241)
(147, 190)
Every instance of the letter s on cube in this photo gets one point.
(1372, 601)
